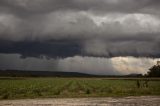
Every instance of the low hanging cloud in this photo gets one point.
(91, 65)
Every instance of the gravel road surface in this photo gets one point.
(108, 101)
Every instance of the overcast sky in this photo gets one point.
(92, 36)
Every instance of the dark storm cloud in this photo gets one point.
(54, 49)
(96, 48)
(65, 28)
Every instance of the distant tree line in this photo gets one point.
(154, 71)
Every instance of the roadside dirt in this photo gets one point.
(108, 101)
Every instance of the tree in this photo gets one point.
(154, 71)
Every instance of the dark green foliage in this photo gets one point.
(142, 84)
(138, 84)
(154, 71)
(5, 96)
(88, 91)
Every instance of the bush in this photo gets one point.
(154, 71)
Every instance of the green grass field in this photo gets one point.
(19, 88)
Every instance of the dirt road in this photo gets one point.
(126, 101)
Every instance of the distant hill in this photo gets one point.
(134, 75)
(21, 73)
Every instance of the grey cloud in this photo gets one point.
(58, 28)
(89, 65)
(122, 48)
(43, 6)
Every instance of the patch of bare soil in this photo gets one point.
(108, 101)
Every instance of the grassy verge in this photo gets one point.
(20, 88)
